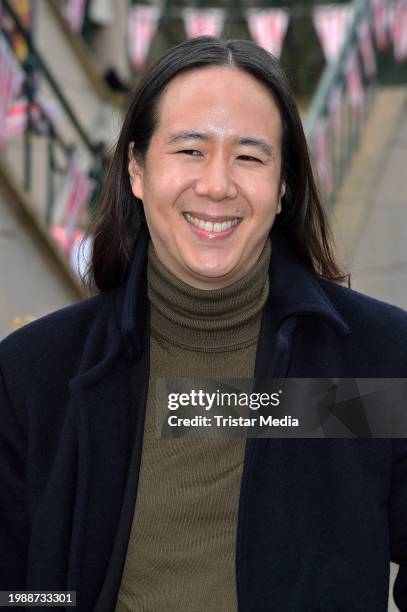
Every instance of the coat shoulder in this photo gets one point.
(366, 315)
(59, 325)
(55, 340)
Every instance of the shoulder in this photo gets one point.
(368, 316)
(354, 303)
(53, 343)
(62, 326)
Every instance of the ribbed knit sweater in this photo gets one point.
(181, 552)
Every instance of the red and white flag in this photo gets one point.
(367, 50)
(268, 28)
(400, 30)
(331, 22)
(75, 195)
(141, 27)
(38, 110)
(323, 156)
(16, 119)
(11, 79)
(75, 14)
(203, 22)
(381, 17)
(354, 84)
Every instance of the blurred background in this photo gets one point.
(66, 70)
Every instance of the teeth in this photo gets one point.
(208, 226)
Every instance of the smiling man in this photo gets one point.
(211, 259)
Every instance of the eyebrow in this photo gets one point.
(248, 141)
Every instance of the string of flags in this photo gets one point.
(267, 27)
(72, 200)
(11, 80)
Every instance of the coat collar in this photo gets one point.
(294, 291)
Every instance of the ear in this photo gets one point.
(136, 174)
(280, 196)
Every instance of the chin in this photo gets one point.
(211, 269)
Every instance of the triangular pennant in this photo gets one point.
(74, 195)
(354, 84)
(400, 30)
(142, 25)
(331, 23)
(268, 28)
(203, 22)
(75, 14)
(381, 16)
(11, 79)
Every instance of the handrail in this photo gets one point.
(91, 146)
(60, 154)
(332, 72)
(341, 144)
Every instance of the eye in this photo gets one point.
(191, 152)
(250, 158)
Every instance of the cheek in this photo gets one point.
(167, 185)
(262, 196)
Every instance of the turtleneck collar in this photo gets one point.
(207, 320)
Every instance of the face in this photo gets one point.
(211, 180)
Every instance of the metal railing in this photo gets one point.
(335, 120)
(60, 149)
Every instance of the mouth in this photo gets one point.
(212, 225)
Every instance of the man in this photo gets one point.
(212, 259)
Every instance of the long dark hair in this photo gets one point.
(119, 215)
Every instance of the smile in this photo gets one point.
(214, 227)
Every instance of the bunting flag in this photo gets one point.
(39, 110)
(400, 30)
(367, 50)
(354, 84)
(203, 22)
(76, 192)
(331, 22)
(75, 14)
(381, 23)
(11, 80)
(323, 157)
(15, 122)
(268, 28)
(141, 26)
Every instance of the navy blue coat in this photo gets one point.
(319, 519)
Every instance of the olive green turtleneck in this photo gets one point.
(181, 552)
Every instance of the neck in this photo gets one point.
(207, 319)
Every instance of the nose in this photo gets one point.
(215, 181)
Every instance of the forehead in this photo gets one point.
(220, 99)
